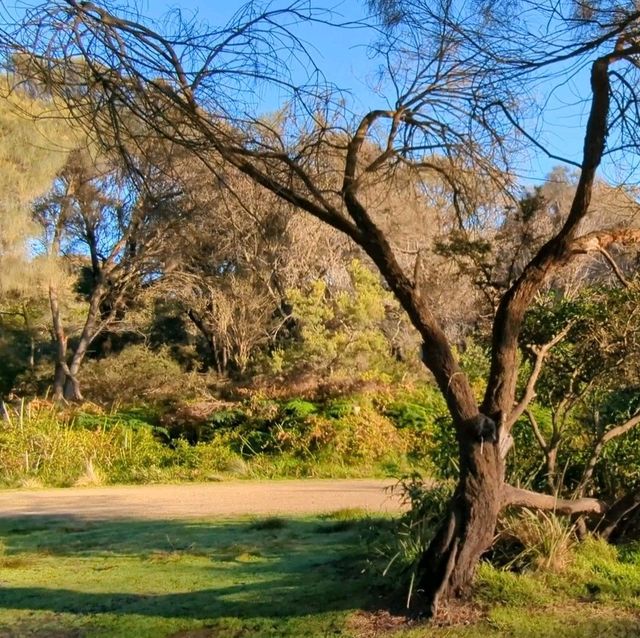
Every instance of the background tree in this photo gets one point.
(107, 232)
(32, 151)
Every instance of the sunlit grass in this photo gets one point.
(275, 577)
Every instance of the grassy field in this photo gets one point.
(274, 577)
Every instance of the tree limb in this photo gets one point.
(537, 432)
(605, 437)
(518, 497)
(614, 266)
(617, 512)
(510, 314)
(530, 389)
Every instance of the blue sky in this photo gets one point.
(346, 61)
(345, 58)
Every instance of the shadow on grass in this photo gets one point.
(185, 569)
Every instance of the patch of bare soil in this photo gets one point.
(374, 624)
(379, 624)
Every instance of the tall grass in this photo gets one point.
(536, 540)
(42, 445)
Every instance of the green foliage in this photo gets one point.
(589, 384)
(443, 450)
(340, 332)
(306, 431)
(50, 445)
(297, 409)
(525, 463)
(410, 415)
(139, 374)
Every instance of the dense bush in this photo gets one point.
(40, 444)
(138, 374)
(64, 445)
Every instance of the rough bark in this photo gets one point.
(614, 518)
(517, 497)
(448, 565)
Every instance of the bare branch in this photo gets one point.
(614, 266)
(510, 314)
(530, 389)
(518, 497)
(537, 432)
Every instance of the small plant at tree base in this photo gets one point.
(535, 540)
(411, 534)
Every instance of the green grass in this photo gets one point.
(271, 577)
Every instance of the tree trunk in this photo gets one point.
(59, 380)
(448, 565)
(60, 338)
(209, 337)
(66, 384)
(72, 389)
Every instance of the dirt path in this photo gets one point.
(232, 498)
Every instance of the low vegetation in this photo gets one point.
(280, 577)
(385, 434)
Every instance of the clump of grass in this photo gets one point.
(346, 514)
(499, 587)
(8, 561)
(401, 546)
(92, 476)
(536, 540)
(239, 553)
(269, 523)
(336, 527)
(341, 520)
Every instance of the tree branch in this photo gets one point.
(600, 240)
(614, 266)
(604, 438)
(518, 497)
(537, 432)
(530, 389)
(508, 322)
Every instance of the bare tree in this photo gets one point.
(460, 72)
(110, 235)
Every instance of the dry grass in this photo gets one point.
(538, 540)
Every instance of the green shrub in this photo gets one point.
(410, 415)
(136, 373)
(298, 409)
(338, 408)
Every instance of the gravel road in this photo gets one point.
(224, 499)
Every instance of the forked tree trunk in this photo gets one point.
(448, 566)
(66, 384)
